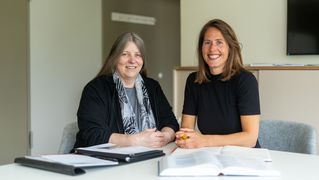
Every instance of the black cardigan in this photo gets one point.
(99, 113)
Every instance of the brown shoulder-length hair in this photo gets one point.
(234, 63)
(120, 43)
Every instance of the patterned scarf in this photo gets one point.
(145, 119)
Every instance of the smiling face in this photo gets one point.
(215, 50)
(129, 64)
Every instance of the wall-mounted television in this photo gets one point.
(303, 27)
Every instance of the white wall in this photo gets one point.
(65, 53)
(259, 24)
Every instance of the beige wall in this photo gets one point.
(259, 25)
(13, 79)
(64, 43)
(65, 53)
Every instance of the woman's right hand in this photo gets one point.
(189, 138)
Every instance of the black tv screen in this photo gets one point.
(303, 27)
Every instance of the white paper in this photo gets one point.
(78, 160)
(102, 146)
(118, 150)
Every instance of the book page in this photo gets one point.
(211, 150)
(240, 166)
(199, 163)
(239, 151)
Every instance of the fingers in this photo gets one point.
(186, 138)
(153, 139)
(189, 143)
(183, 136)
(185, 144)
(182, 139)
(157, 142)
(184, 133)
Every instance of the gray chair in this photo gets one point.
(68, 138)
(287, 136)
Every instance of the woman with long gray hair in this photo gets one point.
(121, 105)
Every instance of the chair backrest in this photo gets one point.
(68, 138)
(287, 136)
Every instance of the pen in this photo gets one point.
(184, 137)
(173, 150)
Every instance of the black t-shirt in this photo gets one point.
(218, 104)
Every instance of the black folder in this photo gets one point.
(120, 158)
(127, 158)
(49, 166)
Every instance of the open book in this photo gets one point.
(124, 154)
(237, 151)
(203, 163)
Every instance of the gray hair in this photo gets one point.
(111, 61)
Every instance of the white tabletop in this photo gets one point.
(292, 166)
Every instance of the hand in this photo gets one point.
(188, 138)
(169, 135)
(149, 138)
